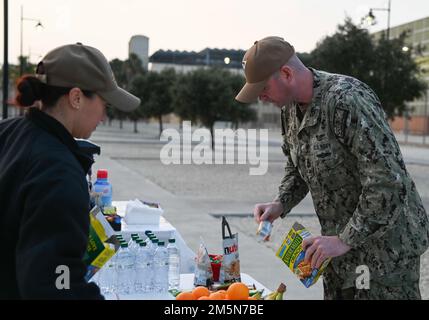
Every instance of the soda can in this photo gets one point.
(264, 230)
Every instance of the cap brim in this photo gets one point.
(121, 99)
(251, 91)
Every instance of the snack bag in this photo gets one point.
(203, 275)
(230, 268)
(102, 243)
(293, 256)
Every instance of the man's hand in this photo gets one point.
(267, 211)
(318, 249)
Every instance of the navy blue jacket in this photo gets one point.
(44, 209)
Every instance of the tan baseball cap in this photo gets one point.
(262, 60)
(78, 65)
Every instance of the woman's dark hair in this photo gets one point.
(30, 89)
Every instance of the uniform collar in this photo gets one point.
(56, 129)
(311, 115)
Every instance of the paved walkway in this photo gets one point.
(136, 172)
(192, 221)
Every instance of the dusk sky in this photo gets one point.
(188, 24)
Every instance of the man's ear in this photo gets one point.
(75, 98)
(286, 72)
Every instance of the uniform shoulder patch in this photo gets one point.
(340, 121)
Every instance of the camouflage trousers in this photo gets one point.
(405, 290)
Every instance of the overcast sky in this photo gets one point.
(188, 24)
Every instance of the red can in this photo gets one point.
(216, 262)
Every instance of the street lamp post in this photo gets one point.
(406, 124)
(370, 17)
(39, 24)
(426, 125)
(5, 60)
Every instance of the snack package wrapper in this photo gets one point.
(230, 268)
(102, 243)
(203, 275)
(291, 253)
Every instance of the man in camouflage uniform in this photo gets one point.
(339, 146)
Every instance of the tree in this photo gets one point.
(118, 69)
(125, 73)
(239, 112)
(399, 77)
(14, 70)
(382, 64)
(184, 104)
(159, 99)
(349, 51)
(14, 75)
(131, 69)
(207, 96)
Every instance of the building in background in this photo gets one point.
(417, 121)
(185, 61)
(139, 45)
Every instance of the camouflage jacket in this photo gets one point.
(346, 155)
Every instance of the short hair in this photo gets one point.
(295, 63)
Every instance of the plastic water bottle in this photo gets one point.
(152, 245)
(132, 244)
(173, 265)
(142, 269)
(160, 269)
(149, 241)
(148, 232)
(107, 279)
(125, 270)
(103, 187)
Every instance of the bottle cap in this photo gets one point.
(102, 174)
(171, 240)
(142, 244)
(160, 243)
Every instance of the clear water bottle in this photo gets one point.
(149, 238)
(125, 270)
(142, 268)
(107, 278)
(152, 245)
(173, 265)
(132, 238)
(132, 244)
(160, 268)
(103, 187)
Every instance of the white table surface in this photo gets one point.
(186, 284)
(164, 231)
